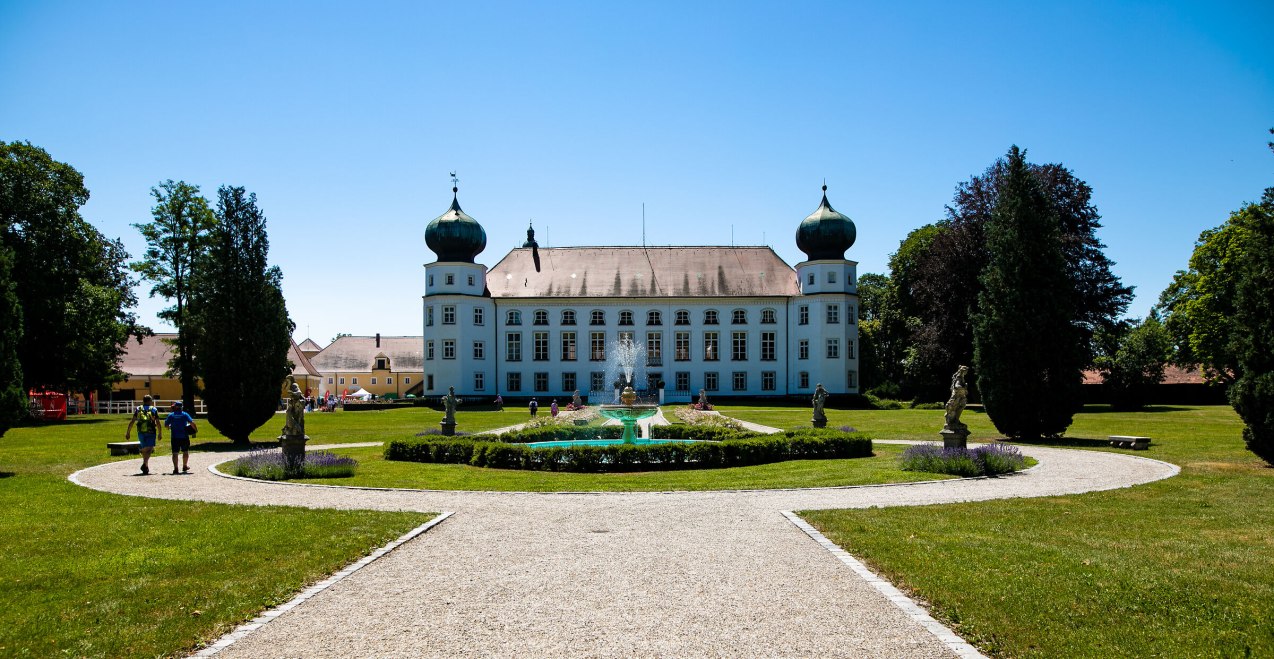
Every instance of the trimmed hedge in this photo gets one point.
(558, 433)
(754, 450)
(704, 432)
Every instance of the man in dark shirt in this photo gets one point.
(181, 426)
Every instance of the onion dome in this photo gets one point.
(826, 234)
(454, 236)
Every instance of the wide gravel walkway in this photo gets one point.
(611, 574)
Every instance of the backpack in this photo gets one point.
(145, 417)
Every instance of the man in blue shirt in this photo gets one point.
(181, 426)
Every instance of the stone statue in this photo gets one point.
(820, 399)
(449, 403)
(955, 433)
(576, 401)
(703, 398)
(294, 425)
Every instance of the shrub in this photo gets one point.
(987, 460)
(268, 464)
(752, 449)
(558, 432)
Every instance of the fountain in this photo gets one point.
(628, 412)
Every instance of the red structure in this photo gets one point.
(50, 404)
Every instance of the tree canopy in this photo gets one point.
(12, 396)
(244, 329)
(1131, 358)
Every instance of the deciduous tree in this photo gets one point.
(176, 238)
(1131, 358)
(1027, 348)
(12, 396)
(244, 329)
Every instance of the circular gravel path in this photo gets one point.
(607, 574)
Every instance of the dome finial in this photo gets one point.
(455, 184)
(824, 185)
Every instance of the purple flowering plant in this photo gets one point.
(270, 465)
(985, 460)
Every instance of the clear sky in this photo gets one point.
(723, 118)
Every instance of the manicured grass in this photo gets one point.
(89, 574)
(375, 471)
(1182, 567)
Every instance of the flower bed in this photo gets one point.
(736, 452)
(268, 464)
(986, 460)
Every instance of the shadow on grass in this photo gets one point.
(71, 421)
(7, 474)
(1082, 442)
(230, 447)
(1149, 409)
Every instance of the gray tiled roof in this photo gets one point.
(147, 358)
(358, 353)
(309, 345)
(300, 363)
(643, 272)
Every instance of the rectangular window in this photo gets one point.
(654, 348)
(353, 380)
(540, 346)
(448, 348)
(681, 346)
(478, 316)
(831, 277)
(803, 380)
(479, 381)
(382, 364)
(810, 279)
(513, 381)
(541, 382)
(373, 380)
(710, 381)
(849, 349)
(710, 347)
(833, 314)
(429, 349)
(568, 347)
(626, 337)
(768, 341)
(849, 311)
(833, 348)
(682, 381)
(597, 346)
(739, 346)
(406, 380)
(429, 316)
(329, 380)
(513, 347)
(429, 382)
(852, 379)
(803, 349)
(568, 382)
(451, 279)
(471, 280)
(479, 350)
(769, 381)
(803, 315)
(449, 314)
(342, 381)
(739, 381)
(389, 380)
(653, 380)
(596, 381)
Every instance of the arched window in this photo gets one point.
(541, 317)
(739, 317)
(597, 317)
(710, 317)
(767, 317)
(654, 318)
(514, 317)
(625, 318)
(568, 317)
(683, 317)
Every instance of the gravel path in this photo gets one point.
(630, 574)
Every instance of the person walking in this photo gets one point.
(499, 403)
(535, 407)
(181, 426)
(553, 408)
(148, 430)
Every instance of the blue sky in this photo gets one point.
(723, 118)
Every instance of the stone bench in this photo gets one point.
(1130, 441)
(124, 448)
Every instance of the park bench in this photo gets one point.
(124, 448)
(1130, 441)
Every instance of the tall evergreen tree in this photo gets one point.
(1252, 394)
(12, 396)
(945, 283)
(244, 336)
(176, 239)
(72, 286)
(1027, 349)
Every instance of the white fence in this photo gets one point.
(127, 406)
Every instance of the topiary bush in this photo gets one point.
(808, 444)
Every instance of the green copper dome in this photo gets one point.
(826, 234)
(454, 236)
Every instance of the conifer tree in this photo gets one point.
(244, 329)
(12, 397)
(1027, 350)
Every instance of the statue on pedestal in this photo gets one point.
(954, 432)
(293, 438)
(449, 403)
(820, 399)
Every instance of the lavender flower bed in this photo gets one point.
(268, 464)
(986, 460)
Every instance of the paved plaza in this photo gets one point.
(612, 574)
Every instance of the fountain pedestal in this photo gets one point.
(628, 413)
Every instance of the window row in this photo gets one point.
(832, 311)
(655, 318)
(681, 347)
(340, 380)
(450, 279)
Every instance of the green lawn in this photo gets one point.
(1181, 567)
(375, 471)
(89, 574)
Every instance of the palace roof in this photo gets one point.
(358, 353)
(595, 272)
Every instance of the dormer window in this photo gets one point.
(654, 318)
(541, 317)
(625, 318)
(514, 317)
(597, 318)
(683, 317)
(710, 317)
(382, 363)
(767, 317)
(739, 317)
(568, 317)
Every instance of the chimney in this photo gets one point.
(378, 339)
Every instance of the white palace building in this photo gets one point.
(735, 321)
